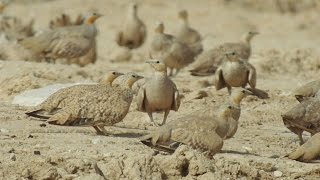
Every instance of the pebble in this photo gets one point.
(4, 130)
(36, 152)
(277, 173)
(96, 141)
(13, 157)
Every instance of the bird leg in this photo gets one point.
(101, 130)
(170, 71)
(300, 137)
(166, 113)
(151, 119)
(177, 71)
(229, 89)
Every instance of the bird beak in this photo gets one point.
(140, 77)
(255, 33)
(149, 62)
(120, 74)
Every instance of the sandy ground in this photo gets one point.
(286, 55)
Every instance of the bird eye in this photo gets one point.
(229, 107)
(94, 14)
(233, 53)
(158, 62)
(243, 91)
(134, 76)
(114, 73)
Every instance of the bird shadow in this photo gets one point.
(238, 152)
(259, 93)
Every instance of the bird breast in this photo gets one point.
(235, 74)
(159, 95)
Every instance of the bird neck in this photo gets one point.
(132, 14)
(108, 80)
(236, 100)
(129, 84)
(185, 22)
(246, 39)
(90, 20)
(160, 74)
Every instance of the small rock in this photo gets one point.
(12, 150)
(36, 152)
(2, 130)
(277, 173)
(96, 141)
(247, 149)
(13, 157)
(30, 136)
(43, 125)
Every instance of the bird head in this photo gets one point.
(111, 76)
(249, 35)
(232, 56)
(159, 27)
(227, 111)
(238, 94)
(183, 14)
(158, 65)
(91, 18)
(132, 78)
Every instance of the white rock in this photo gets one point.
(277, 173)
(34, 97)
(4, 130)
(96, 141)
(13, 157)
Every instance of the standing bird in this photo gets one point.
(63, 21)
(175, 54)
(134, 32)
(207, 62)
(65, 42)
(304, 117)
(188, 35)
(158, 93)
(102, 106)
(235, 72)
(202, 133)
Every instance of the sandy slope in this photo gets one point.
(286, 55)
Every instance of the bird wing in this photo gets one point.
(142, 33)
(119, 38)
(176, 100)
(219, 80)
(70, 46)
(252, 76)
(141, 99)
(206, 60)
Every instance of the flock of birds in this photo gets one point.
(108, 102)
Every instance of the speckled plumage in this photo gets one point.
(202, 133)
(174, 53)
(158, 93)
(64, 42)
(208, 61)
(304, 117)
(133, 33)
(89, 105)
(235, 72)
(307, 90)
(188, 35)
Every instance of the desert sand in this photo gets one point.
(286, 55)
